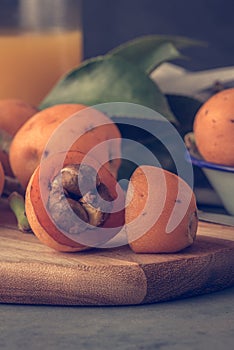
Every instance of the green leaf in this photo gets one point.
(148, 52)
(108, 79)
(156, 55)
(5, 141)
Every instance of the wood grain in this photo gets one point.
(32, 273)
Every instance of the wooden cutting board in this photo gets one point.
(31, 273)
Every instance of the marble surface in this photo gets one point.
(204, 322)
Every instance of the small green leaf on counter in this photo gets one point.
(5, 141)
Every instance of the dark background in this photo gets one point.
(108, 23)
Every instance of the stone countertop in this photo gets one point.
(203, 322)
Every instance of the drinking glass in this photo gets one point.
(40, 41)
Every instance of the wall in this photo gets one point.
(108, 23)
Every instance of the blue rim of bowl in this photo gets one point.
(203, 164)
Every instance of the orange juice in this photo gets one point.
(31, 63)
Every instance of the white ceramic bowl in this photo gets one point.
(221, 177)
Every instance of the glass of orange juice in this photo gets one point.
(40, 40)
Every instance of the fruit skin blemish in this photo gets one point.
(214, 128)
(161, 215)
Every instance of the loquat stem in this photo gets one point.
(17, 205)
